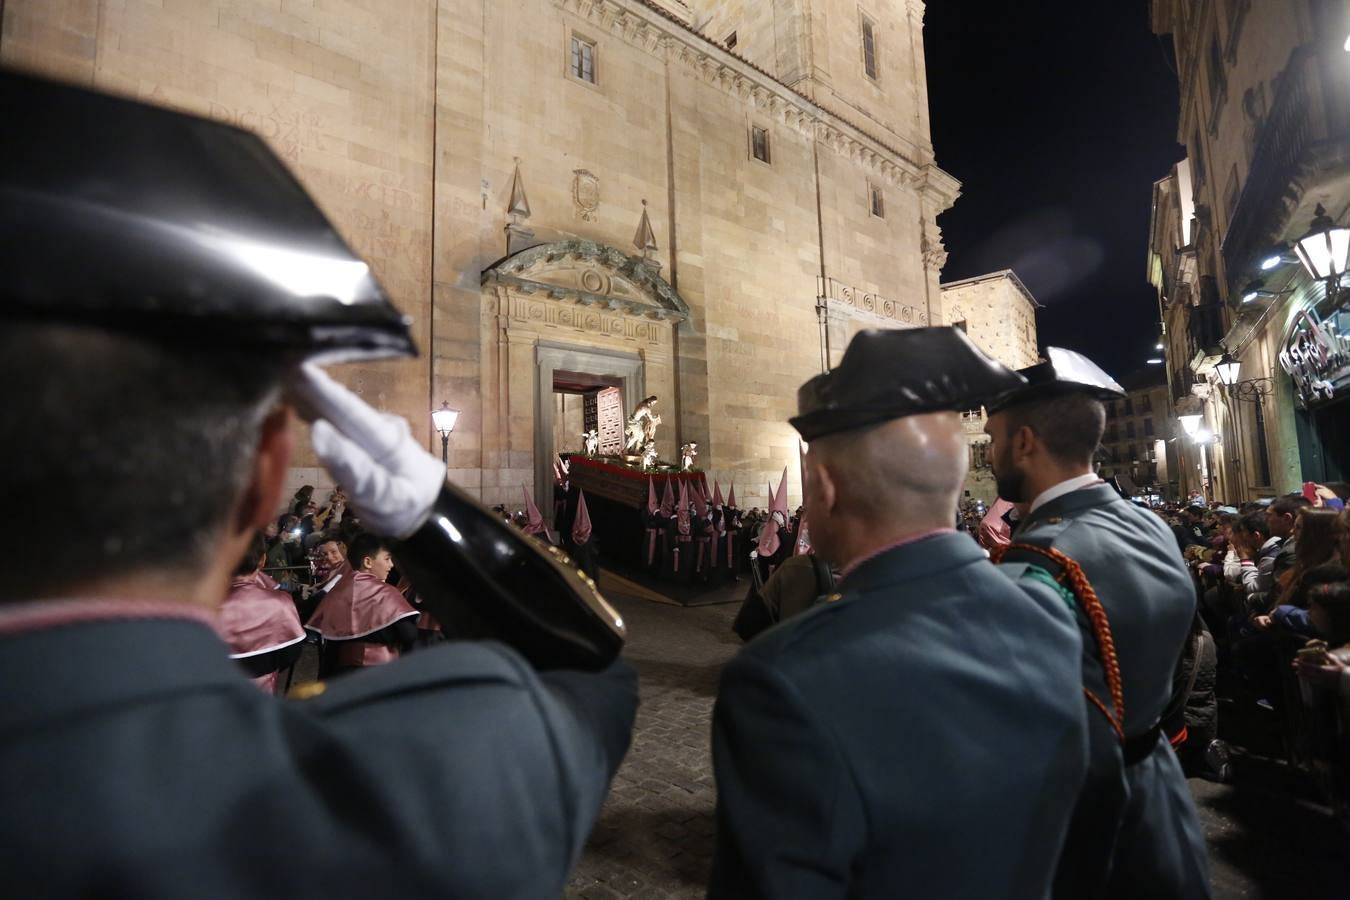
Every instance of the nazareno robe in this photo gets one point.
(261, 627)
(367, 620)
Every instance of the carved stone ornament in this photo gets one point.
(585, 194)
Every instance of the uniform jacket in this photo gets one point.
(922, 735)
(136, 761)
(1135, 832)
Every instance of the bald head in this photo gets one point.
(899, 477)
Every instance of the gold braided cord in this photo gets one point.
(1101, 629)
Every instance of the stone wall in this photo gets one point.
(341, 91)
(999, 315)
(409, 120)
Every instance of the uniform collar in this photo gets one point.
(1066, 486)
(1101, 494)
(915, 557)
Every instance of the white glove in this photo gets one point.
(390, 480)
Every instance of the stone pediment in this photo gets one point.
(589, 274)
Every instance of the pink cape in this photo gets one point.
(358, 606)
(257, 619)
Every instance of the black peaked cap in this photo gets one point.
(1063, 372)
(889, 373)
(126, 216)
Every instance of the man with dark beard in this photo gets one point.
(1135, 831)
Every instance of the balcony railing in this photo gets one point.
(1296, 124)
(1205, 328)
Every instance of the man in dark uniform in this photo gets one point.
(1135, 832)
(920, 734)
(165, 276)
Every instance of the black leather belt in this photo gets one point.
(1138, 748)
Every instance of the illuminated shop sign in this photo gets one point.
(1316, 355)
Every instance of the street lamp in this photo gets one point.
(444, 419)
(1228, 369)
(1190, 424)
(1323, 250)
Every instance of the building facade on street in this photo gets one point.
(700, 201)
(1254, 335)
(999, 314)
(1137, 446)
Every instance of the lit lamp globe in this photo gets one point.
(1203, 435)
(445, 419)
(1190, 424)
(1228, 369)
(1323, 250)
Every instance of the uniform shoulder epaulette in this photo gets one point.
(1038, 575)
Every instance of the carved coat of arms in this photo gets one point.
(585, 194)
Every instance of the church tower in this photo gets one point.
(862, 60)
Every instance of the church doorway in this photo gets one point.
(571, 319)
(583, 403)
(580, 388)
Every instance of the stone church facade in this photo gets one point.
(697, 200)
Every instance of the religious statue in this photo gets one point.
(641, 427)
(591, 440)
(649, 455)
(688, 453)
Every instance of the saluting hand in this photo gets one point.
(390, 479)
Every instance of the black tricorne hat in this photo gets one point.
(126, 216)
(889, 373)
(1063, 372)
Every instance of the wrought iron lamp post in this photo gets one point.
(444, 419)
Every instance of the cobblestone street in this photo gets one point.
(655, 834)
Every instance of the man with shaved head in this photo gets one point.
(922, 733)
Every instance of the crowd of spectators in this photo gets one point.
(1273, 586)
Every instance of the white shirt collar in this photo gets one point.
(1064, 487)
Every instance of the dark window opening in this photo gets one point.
(869, 47)
(759, 143)
(583, 60)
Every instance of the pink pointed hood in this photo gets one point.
(668, 499)
(769, 541)
(536, 523)
(717, 495)
(682, 510)
(731, 497)
(581, 524)
(700, 501)
(779, 503)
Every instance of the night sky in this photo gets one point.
(1057, 116)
